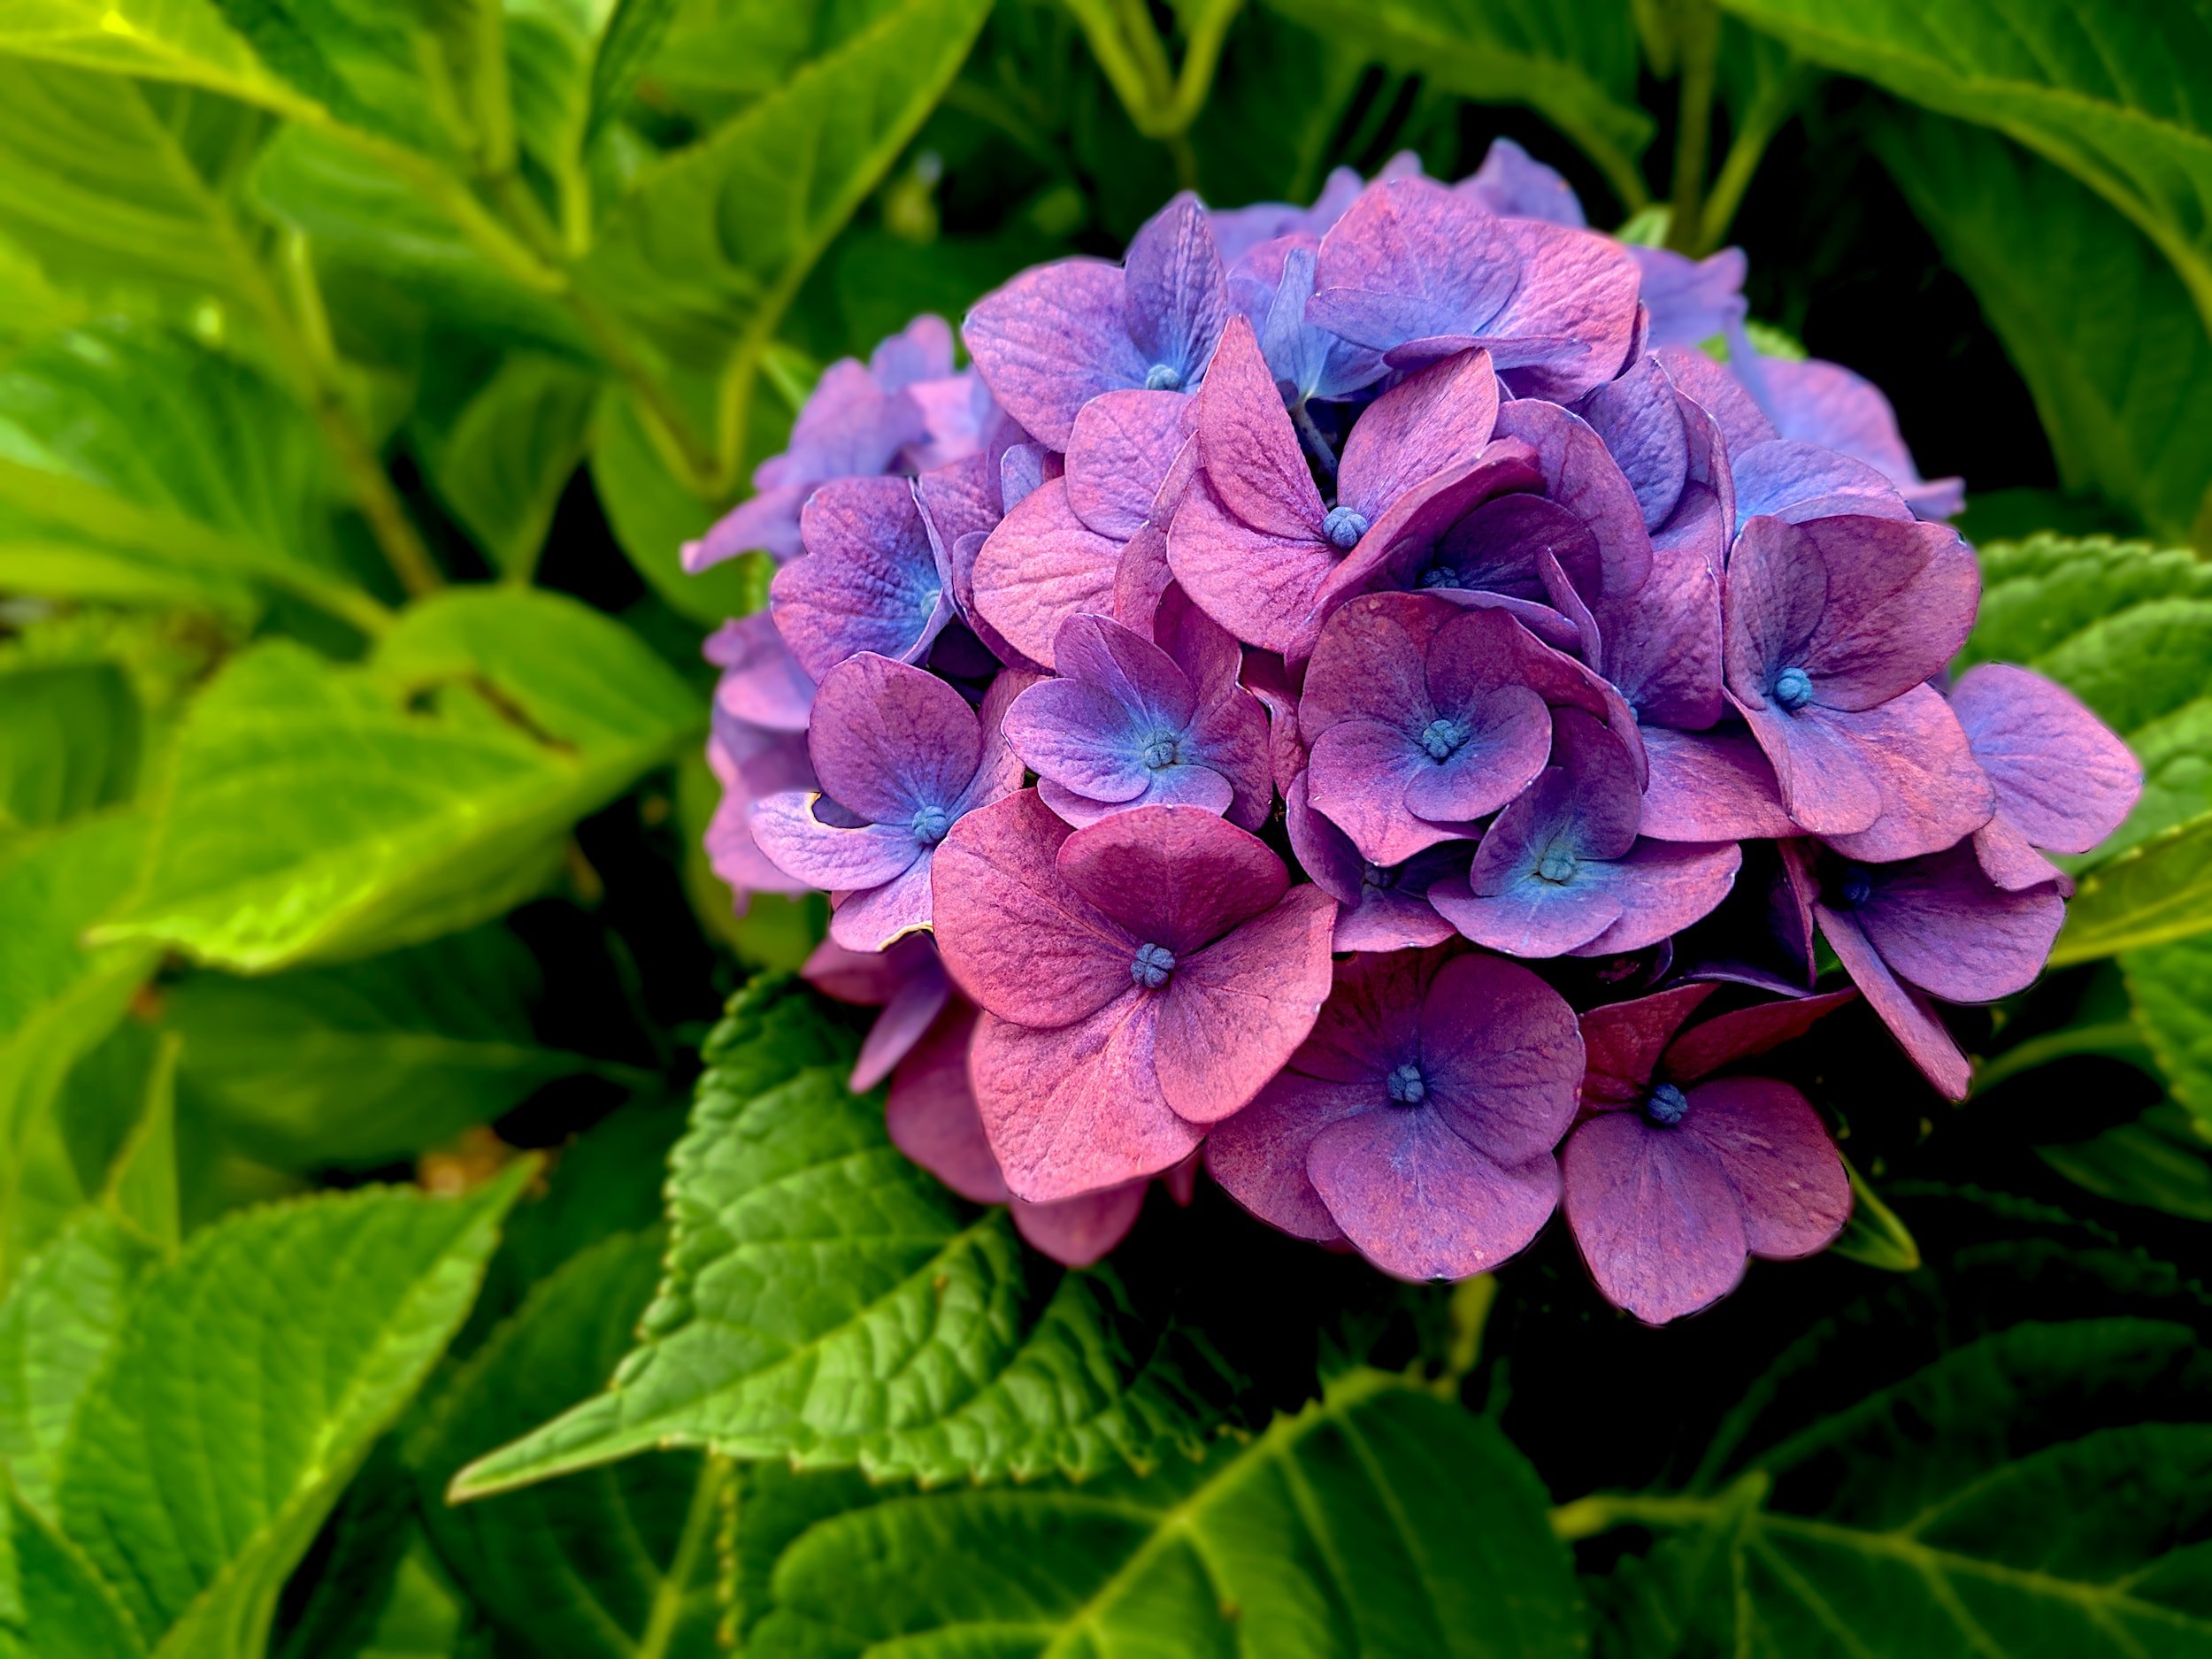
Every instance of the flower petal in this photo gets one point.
(1788, 1175)
(2061, 779)
(1419, 1202)
(1654, 1215)
(1175, 876)
(1436, 418)
(1259, 1155)
(1934, 792)
(1122, 448)
(932, 1116)
(1040, 567)
(1710, 787)
(1235, 1012)
(1624, 1042)
(1902, 1008)
(869, 582)
(1940, 922)
(822, 855)
(1079, 1232)
(1051, 339)
(888, 740)
(1501, 1056)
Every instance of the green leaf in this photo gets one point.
(137, 463)
(2117, 95)
(633, 32)
(2161, 1161)
(69, 742)
(70, 1152)
(2155, 893)
(1574, 65)
(1875, 1236)
(709, 247)
(653, 514)
(282, 1341)
(56, 1325)
(2171, 987)
(55, 1606)
(828, 1303)
(500, 467)
(318, 811)
(141, 1189)
(368, 1061)
(184, 41)
(535, 1561)
(2089, 613)
(1380, 1521)
(2114, 351)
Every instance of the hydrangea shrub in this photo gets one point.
(1398, 701)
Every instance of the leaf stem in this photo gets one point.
(699, 1525)
(1699, 36)
(1774, 105)
(1602, 1511)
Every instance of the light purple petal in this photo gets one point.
(1567, 325)
(1710, 787)
(1053, 339)
(1934, 793)
(1581, 475)
(1040, 567)
(1527, 916)
(1827, 404)
(876, 918)
(1419, 1202)
(1827, 787)
(762, 683)
(889, 739)
(1690, 301)
(1078, 737)
(1410, 261)
(871, 581)
(1513, 182)
(824, 856)
(1654, 1215)
(1902, 1008)
(1940, 923)
(1177, 293)
(768, 523)
(1663, 887)
(1788, 1175)
(1119, 454)
(2061, 779)
(1794, 481)
(1639, 416)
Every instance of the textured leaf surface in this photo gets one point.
(2162, 1161)
(249, 1378)
(183, 40)
(1574, 64)
(500, 467)
(1381, 1523)
(55, 1606)
(69, 742)
(2120, 95)
(2114, 351)
(321, 811)
(367, 1061)
(2172, 986)
(600, 1564)
(828, 1303)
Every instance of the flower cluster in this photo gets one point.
(1275, 697)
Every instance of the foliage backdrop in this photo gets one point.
(363, 366)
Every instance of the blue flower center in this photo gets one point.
(1164, 376)
(1161, 750)
(1151, 966)
(1344, 527)
(1558, 864)
(1857, 887)
(1406, 1086)
(1440, 576)
(1665, 1104)
(1792, 688)
(930, 825)
(1443, 737)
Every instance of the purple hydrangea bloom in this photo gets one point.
(1935, 925)
(2062, 782)
(857, 422)
(1129, 722)
(762, 683)
(1056, 337)
(1379, 907)
(873, 579)
(1562, 871)
(900, 759)
(1418, 1120)
(1673, 1179)
(752, 764)
(1512, 182)
(1825, 403)
(1417, 272)
(1141, 978)
(1827, 623)
(1254, 543)
(1270, 286)
(1415, 722)
(905, 980)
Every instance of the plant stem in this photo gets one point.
(1700, 40)
(1602, 1511)
(668, 1595)
(1777, 100)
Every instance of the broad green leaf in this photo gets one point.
(829, 1305)
(653, 514)
(1575, 63)
(135, 463)
(70, 1152)
(707, 252)
(2114, 354)
(501, 466)
(367, 1061)
(714, 56)
(142, 1190)
(126, 184)
(2155, 893)
(1875, 1236)
(2162, 1161)
(69, 742)
(633, 32)
(2091, 613)
(282, 1341)
(55, 1606)
(56, 1324)
(2120, 95)
(318, 811)
(535, 1561)
(58, 998)
(1379, 1522)
(185, 40)
(2172, 986)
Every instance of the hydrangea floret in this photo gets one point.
(1388, 700)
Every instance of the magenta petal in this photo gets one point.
(1015, 936)
(1077, 1109)
(1371, 662)
(762, 683)
(1910, 1020)
(1502, 1055)
(1358, 776)
(826, 857)
(1940, 923)
(1934, 793)
(1259, 584)
(1826, 786)
(1639, 417)
(1705, 1048)
(1250, 452)
(1624, 1042)
(1710, 787)
(1528, 918)
(2009, 859)
(933, 1117)
(1508, 741)
(1581, 475)
(2061, 779)
(1419, 1202)
(1654, 1215)
(1122, 448)
(1259, 1155)
(1578, 289)
(1433, 420)
(1662, 644)
(1233, 1013)
(888, 739)
(1663, 887)
(1078, 1232)
(1174, 876)
(905, 1017)
(1040, 567)
(876, 918)
(1788, 1175)
(1408, 260)
(1050, 341)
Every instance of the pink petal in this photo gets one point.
(1934, 793)
(1710, 787)
(1654, 1215)
(1118, 455)
(1663, 887)
(1705, 1048)
(1436, 418)
(1176, 876)
(1576, 287)
(1940, 923)
(1050, 341)
(1581, 475)
(1419, 1202)
(932, 1115)
(1251, 456)
(2061, 779)
(1040, 567)
(1234, 1012)
(1788, 1175)
(1358, 776)
(1259, 1155)
(1625, 1039)
(1827, 787)
(1907, 1014)
(1078, 1232)
(1502, 1055)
